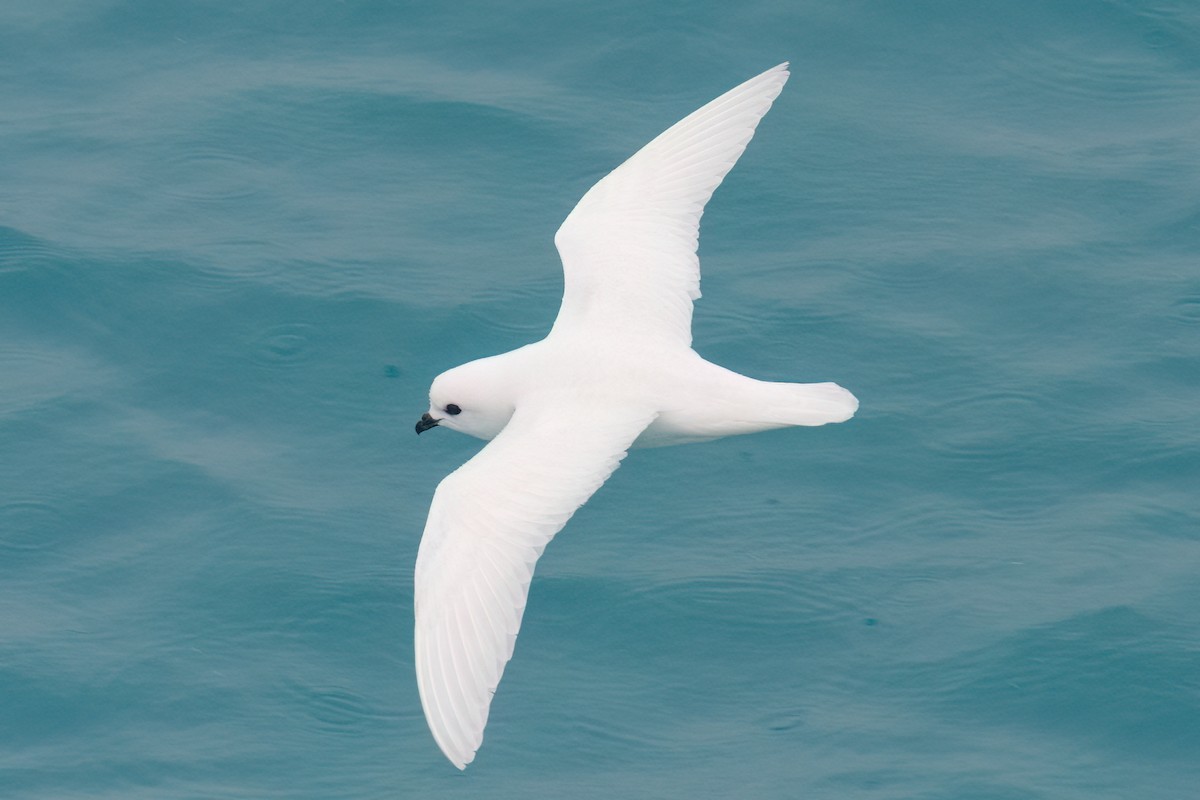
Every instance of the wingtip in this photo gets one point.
(777, 75)
(458, 759)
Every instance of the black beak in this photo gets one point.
(426, 422)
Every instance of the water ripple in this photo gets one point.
(1075, 68)
(989, 424)
(207, 175)
(775, 597)
(1102, 674)
(288, 345)
(784, 720)
(36, 373)
(337, 709)
(1187, 310)
(20, 252)
(505, 308)
(24, 525)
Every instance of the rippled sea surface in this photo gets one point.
(238, 239)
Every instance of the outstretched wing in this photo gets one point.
(489, 521)
(629, 247)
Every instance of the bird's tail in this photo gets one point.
(723, 403)
(804, 403)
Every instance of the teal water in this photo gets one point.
(237, 240)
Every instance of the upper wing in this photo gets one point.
(629, 247)
(489, 521)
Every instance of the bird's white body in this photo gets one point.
(616, 371)
(693, 399)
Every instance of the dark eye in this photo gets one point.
(453, 410)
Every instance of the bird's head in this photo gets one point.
(475, 398)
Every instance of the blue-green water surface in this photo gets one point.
(238, 239)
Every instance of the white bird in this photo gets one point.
(616, 370)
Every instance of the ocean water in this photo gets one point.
(238, 239)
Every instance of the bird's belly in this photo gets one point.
(680, 427)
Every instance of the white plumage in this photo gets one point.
(616, 370)
(629, 247)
